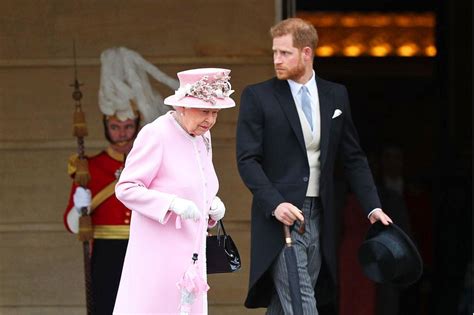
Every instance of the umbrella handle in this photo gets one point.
(302, 228)
(286, 230)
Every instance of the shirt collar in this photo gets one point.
(295, 87)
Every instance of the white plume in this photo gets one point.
(124, 77)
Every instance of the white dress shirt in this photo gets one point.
(295, 88)
(312, 138)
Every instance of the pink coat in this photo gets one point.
(164, 162)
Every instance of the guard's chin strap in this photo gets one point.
(122, 143)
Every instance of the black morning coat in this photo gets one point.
(273, 164)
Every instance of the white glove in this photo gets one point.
(217, 210)
(186, 209)
(72, 220)
(82, 199)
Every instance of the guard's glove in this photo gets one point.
(217, 210)
(82, 199)
(186, 209)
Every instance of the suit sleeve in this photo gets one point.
(355, 162)
(250, 153)
(132, 188)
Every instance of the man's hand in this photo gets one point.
(379, 215)
(287, 213)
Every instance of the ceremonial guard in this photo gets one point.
(127, 101)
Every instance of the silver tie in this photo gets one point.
(306, 105)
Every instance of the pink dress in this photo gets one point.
(164, 162)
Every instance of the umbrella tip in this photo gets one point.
(195, 257)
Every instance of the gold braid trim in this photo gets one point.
(116, 232)
(103, 195)
(71, 164)
(115, 155)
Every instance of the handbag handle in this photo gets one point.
(220, 226)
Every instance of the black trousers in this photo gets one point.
(106, 268)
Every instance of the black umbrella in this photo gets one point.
(292, 268)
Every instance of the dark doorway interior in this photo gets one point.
(422, 106)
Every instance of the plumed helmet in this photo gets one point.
(125, 90)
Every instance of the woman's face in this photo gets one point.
(197, 120)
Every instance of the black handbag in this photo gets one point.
(221, 253)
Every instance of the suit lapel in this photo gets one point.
(326, 109)
(285, 99)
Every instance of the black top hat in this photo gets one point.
(389, 256)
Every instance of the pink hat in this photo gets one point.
(203, 88)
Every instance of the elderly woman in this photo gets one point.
(170, 184)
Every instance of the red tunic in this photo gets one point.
(111, 219)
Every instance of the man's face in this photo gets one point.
(121, 132)
(287, 60)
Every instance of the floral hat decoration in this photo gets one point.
(203, 88)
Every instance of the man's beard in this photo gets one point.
(291, 73)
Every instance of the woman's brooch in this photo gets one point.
(208, 145)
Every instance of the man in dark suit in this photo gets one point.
(290, 131)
